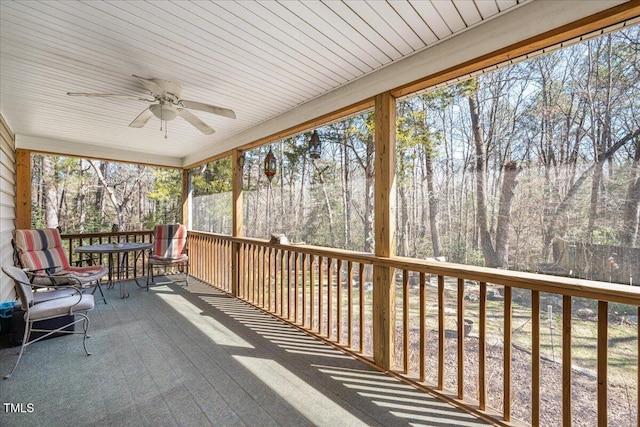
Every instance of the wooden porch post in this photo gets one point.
(384, 311)
(237, 161)
(186, 198)
(23, 188)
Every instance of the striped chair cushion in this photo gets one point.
(41, 249)
(170, 241)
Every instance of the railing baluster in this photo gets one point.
(349, 304)
(270, 274)
(441, 327)
(339, 299)
(243, 271)
(290, 260)
(320, 294)
(535, 358)
(280, 288)
(482, 348)
(423, 324)
(304, 289)
(329, 298)
(405, 320)
(603, 344)
(461, 337)
(566, 361)
(506, 407)
(361, 298)
(312, 292)
(246, 269)
(296, 258)
(264, 274)
(254, 270)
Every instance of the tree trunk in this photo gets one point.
(50, 193)
(564, 205)
(300, 218)
(327, 203)
(403, 219)
(631, 217)
(111, 195)
(593, 203)
(368, 203)
(346, 196)
(433, 206)
(81, 207)
(481, 185)
(509, 182)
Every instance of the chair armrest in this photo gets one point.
(72, 282)
(77, 292)
(48, 271)
(90, 261)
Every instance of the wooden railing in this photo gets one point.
(72, 241)
(329, 292)
(297, 284)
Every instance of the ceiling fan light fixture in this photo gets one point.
(166, 112)
(169, 105)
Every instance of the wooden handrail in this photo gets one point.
(566, 286)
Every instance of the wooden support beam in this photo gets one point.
(384, 309)
(237, 168)
(23, 188)
(186, 198)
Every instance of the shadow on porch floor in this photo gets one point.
(193, 356)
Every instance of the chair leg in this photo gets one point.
(149, 275)
(85, 327)
(25, 342)
(186, 277)
(99, 287)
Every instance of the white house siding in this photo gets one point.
(7, 205)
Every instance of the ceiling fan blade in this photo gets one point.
(194, 105)
(111, 95)
(202, 126)
(151, 86)
(142, 119)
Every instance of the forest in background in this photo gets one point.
(534, 167)
(91, 196)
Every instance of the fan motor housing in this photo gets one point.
(164, 111)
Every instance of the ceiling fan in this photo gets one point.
(167, 104)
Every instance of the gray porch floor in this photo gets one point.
(193, 356)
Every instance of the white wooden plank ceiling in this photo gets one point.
(260, 59)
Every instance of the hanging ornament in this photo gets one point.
(315, 146)
(270, 165)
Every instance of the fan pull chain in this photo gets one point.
(165, 130)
